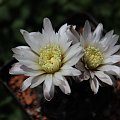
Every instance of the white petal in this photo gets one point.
(30, 64)
(69, 71)
(16, 50)
(112, 59)
(92, 74)
(74, 49)
(73, 35)
(73, 60)
(63, 29)
(37, 81)
(47, 26)
(49, 33)
(86, 30)
(65, 46)
(63, 38)
(47, 87)
(34, 73)
(108, 41)
(26, 83)
(31, 41)
(103, 43)
(113, 40)
(109, 34)
(31, 72)
(58, 79)
(112, 50)
(38, 40)
(98, 32)
(82, 41)
(64, 42)
(111, 69)
(52, 92)
(26, 36)
(24, 53)
(16, 69)
(94, 84)
(65, 88)
(34, 39)
(104, 77)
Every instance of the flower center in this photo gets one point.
(50, 58)
(92, 57)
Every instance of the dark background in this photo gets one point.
(28, 15)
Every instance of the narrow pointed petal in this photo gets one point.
(111, 69)
(74, 49)
(83, 41)
(86, 30)
(92, 75)
(109, 34)
(114, 40)
(73, 60)
(63, 29)
(112, 59)
(47, 26)
(104, 77)
(65, 88)
(47, 87)
(58, 79)
(65, 46)
(37, 81)
(63, 38)
(112, 50)
(70, 71)
(52, 91)
(49, 33)
(26, 83)
(94, 84)
(73, 35)
(98, 32)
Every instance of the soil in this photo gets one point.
(27, 98)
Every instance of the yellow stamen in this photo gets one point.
(92, 57)
(50, 58)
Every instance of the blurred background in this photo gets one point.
(28, 15)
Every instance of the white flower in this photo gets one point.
(49, 58)
(98, 63)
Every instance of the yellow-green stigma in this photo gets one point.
(92, 57)
(50, 59)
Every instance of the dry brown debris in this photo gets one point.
(28, 98)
